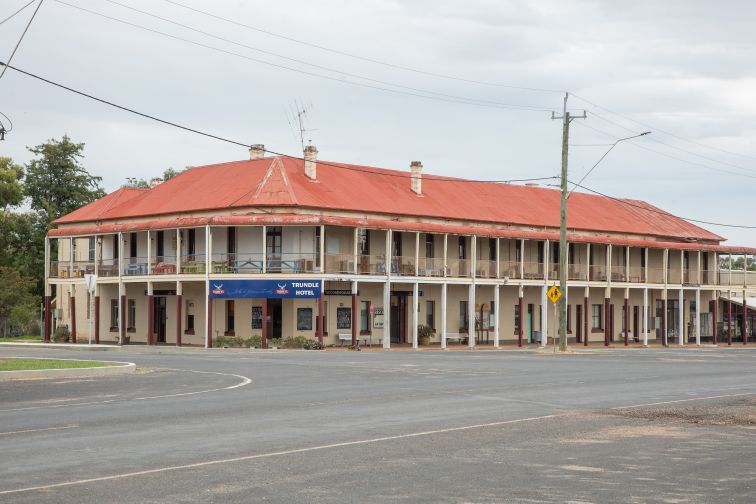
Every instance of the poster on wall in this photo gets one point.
(378, 318)
(257, 317)
(304, 319)
(343, 318)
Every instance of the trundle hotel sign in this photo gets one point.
(265, 289)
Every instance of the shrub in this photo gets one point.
(61, 334)
(253, 342)
(274, 342)
(295, 342)
(312, 345)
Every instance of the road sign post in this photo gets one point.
(554, 294)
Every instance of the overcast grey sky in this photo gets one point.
(683, 69)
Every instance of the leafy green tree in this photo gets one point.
(140, 183)
(16, 292)
(56, 183)
(11, 191)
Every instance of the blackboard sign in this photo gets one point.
(343, 318)
(257, 317)
(304, 319)
(339, 292)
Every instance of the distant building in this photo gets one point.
(278, 247)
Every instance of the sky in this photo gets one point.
(468, 88)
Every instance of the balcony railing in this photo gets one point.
(59, 269)
(690, 277)
(135, 266)
(674, 276)
(737, 277)
(163, 265)
(509, 269)
(485, 269)
(533, 270)
(655, 275)
(193, 264)
(598, 273)
(371, 264)
(339, 263)
(431, 267)
(403, 265)
(301, 262)
(636, 274)
(457, 267)
(577, 272)
(107, 268)
(553, 272)
(230, 264)
(709, 277)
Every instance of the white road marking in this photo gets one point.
(38, 430)
(244, 381)
(246, 458)
(683, 400)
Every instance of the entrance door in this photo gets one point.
(398, 319)
(636, 325)
(578, 323)
(529, 327)
(275, 318)
(159, 318)
(611, 323)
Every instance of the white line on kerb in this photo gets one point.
(37, 430)
(683, 400)
(244, 381)
(276, 454)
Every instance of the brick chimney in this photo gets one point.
(256, 151)
(416, 177)
(310, 158)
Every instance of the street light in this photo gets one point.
(605, 154)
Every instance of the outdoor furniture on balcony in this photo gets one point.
(134, 269)
(193, 268)
(246, 265)
(162, 268)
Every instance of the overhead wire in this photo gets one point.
(409, 91)
(661, 212)
(23, 34)
(359, 57)
(17, 12)
(10, 123)
(343, 166)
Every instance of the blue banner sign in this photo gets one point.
(262, 289)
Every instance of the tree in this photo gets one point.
(11, 192)
(15, 296)
(140, 183)
(56, 183)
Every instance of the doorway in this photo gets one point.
(398, 319)
(578, 323)
(529, 327)
(636, 324)
(159, 318)
(275, 318)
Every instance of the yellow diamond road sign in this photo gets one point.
(554, 294)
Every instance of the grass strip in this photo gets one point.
(35, 364)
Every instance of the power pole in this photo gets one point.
(566, 120)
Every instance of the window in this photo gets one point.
(317, 246)
(113, 314)
(462, 245)
(304, 319)
(116, 247)
(133, 245)
(273, 242)
(91, 257)
(517, 319)
(430, 314)
(590, 257)
(570, 253)
(363, 242)
(492, 249)
(396, 243)
(429, 248)
(230, 317)
(463, 321)
(365, 316)
(131, 315)
(191, 244)
(189, 317)
(705, 261)
(596, 322)
(540, 251)
(73, 249)
(555, 253)
(231, 240)
(160, 245)
(257, 317)
(518, 250)
(643, 258)
(343, 318)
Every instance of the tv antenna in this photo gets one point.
(300, 114)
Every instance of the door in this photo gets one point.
(159, 318)
(636, 325)
(611, 323)
(275, 318)
(578, 323)
(529, 327)
(394, 319)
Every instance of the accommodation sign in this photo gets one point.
(265, 289)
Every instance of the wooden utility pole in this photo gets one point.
(566, 119)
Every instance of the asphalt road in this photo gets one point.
(652, 425)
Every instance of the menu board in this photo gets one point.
(343, 318)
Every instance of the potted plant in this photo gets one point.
(424, 334)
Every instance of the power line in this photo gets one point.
(655, 128)
(686, 161)
(10, 58)
(409, 91)
(303, 62)
(661, 212)
(362, 58)
(17, 12)
(242, 144)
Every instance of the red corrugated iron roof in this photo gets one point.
(316, 220)
(281, 181)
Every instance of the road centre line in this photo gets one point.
(246, 458)
(682, 400)
(38, 430)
